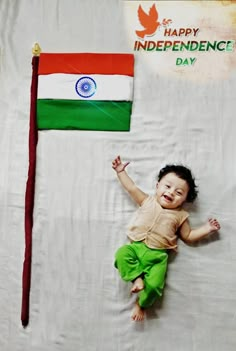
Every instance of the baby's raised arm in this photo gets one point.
(137, 194)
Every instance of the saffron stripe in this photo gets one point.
(86, 63)
(84, 115)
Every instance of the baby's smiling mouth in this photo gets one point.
(167, 198)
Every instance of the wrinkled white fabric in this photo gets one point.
(180, 114)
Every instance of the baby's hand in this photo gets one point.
(214, 225)
(118, 166)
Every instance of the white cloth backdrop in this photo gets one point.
(187, 115)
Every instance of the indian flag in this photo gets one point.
(89, 91)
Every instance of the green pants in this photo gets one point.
(136, 259)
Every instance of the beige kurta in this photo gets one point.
(156, 226)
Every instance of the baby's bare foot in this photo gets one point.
(138, 285)
(138, 313)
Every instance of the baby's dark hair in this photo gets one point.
(183, 173)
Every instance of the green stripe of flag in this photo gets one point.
(85, 115)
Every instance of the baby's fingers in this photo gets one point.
(116, 160)
(214, 223)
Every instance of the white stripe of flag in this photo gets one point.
(62, 86)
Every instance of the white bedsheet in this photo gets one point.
(186, 115)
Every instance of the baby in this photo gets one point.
(154, 231)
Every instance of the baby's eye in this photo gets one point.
(167, 186)
(178, 193)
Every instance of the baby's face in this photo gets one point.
(172, 191)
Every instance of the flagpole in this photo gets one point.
(30, 187)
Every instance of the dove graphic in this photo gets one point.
(148, 21)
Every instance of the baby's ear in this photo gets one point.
(157, 185)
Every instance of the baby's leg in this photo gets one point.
(154, 281)
(128, 264)
(134, 260)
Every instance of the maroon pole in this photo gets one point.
(29, 195)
